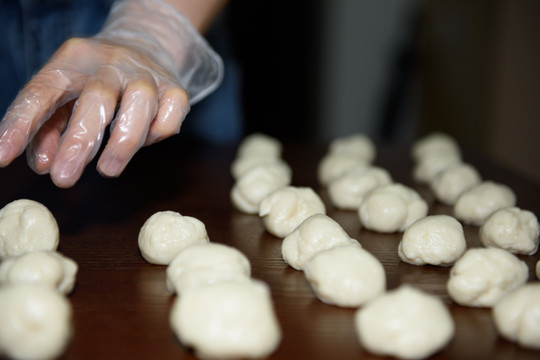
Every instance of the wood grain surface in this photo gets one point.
(121, 305)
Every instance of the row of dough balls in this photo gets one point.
(342, 273)
(258, 170)
(479, 277)
(220, 311)
(438, 163)
(35, 280)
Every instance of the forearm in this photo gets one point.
(201, 13)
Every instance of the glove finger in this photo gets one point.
(35, 103)
(42, 149)
(91, 114)
(172, 110)
(130, 128)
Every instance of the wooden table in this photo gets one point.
(120, 303)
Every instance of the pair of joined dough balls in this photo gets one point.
(258, 170)
(345, 153)
(338, 269)
(221, 312)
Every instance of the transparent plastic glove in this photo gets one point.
(139, 75)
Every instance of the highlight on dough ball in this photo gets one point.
(27, 225)
(166, 233)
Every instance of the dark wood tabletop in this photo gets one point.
(120, 302)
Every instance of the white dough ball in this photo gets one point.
(391, 208)
(286, 208)
(318, 232)
(206, 264)
(347, 191)
(259, 145)
(431, 165)
(333, 166)
(517, 316)
(255, 184)
(474, 205)
(512, 229)
(228, 320)
(357, 145)
(435, 142)
(27, 225)
(404, 323)
(242, 164)
(42, 267)
(346, 276)
(451, 182)
(433, 240)
(35, 321)
(165, 233)
(482, 276)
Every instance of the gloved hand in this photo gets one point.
(139, 75)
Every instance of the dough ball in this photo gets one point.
(356, 145)
(256, 183)
(26, 225)
(35, 321)
(391, 208)
(333, 166)
(430, 165)
(451, 182)
(474, 205)
(286, 208)
(517, 316)
(259, 145)
(347, 191)
(512, 229)
(42, 267)
(435, 142)
(482, 276)
(242, 164)
(318, 232)
(165, 233)
(206, 264)
(433, 240)
(346, 276)
(404, 323)
(228, 320)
